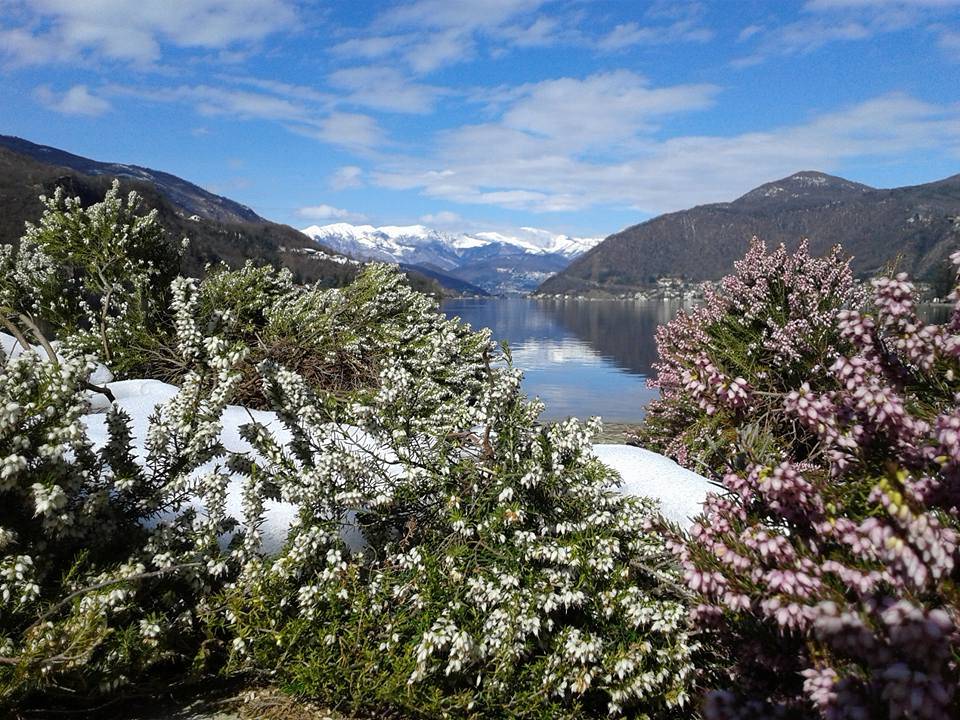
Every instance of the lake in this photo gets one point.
(581, 357)
(586, 357)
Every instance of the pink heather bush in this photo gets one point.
(770, 327)
(828, 567)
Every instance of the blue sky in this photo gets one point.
(576, 116)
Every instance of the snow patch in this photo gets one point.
(681, 492)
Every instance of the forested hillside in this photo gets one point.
(918, 224)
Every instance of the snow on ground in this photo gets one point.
(139, 398)
(679, 491)
(12, 349)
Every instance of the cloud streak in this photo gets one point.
(328, 213)
(532, 172)
(75, 101)
(295, 107)
(134, 30)
(828, 21)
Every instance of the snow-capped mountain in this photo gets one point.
(497, 262)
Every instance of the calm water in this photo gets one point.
(584, 357)
(580, 357)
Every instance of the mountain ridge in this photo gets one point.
(191, 198)
(23, 179)
(918, 223)
(497, 262)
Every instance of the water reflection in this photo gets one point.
(586, 358)
(581, 358)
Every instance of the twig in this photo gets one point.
(41, 338)
(107, 583)
(104, 390)
(47, 347)
(104, 312)
(14, 330)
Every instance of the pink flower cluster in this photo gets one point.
(782, 300)
(770, 326)
(828, 569)
(710, 387)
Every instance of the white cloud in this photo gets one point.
(350, 130)
(371, 48)
(212, 100)
(566, 109)
(442, 219)
(632, 33)
(300, 93)
(346, 177)
(295, 111)
(19, 46)
(543, 31)
(827, 21)
(328, 212)
(866, 4)
(949, 42)
(75, 101)
(135, 30)
(663, 22)
(463, 14)
(533, 172)
(384, 88)
(428, 34)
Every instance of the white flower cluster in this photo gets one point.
(80, 541)
(436, 501)
(474, 550)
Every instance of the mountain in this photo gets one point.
(219, 229)
(497, 262)
(919, 223)
(23, 180)
(455, 285)
(192, 199)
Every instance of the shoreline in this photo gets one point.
(616, 432)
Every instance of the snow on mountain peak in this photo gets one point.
(538, 251)
(392, 237)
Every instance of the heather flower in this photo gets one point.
(771, 327)
(833, 552)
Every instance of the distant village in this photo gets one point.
(671, 289)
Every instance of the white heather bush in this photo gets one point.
(97, 275)
(91, 598)
(449, 555)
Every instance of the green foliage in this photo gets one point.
(336, 339)
(494, 573)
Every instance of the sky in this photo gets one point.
(577, 116)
